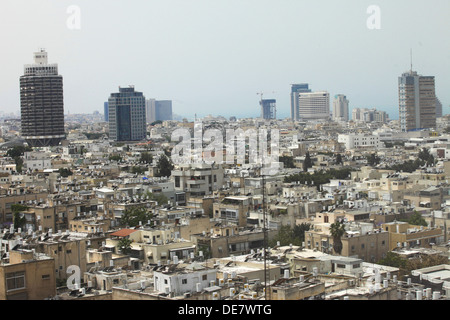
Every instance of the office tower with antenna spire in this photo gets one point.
(417, 101)
(42, 103)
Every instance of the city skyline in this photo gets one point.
(215, 58)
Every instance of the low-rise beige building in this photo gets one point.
(402, 234)
(27, 276)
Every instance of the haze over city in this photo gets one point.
(213, 57)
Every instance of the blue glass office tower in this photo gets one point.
(268, 108)
(163, 110)
(127, 115)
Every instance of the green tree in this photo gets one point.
(426, 157)
(338, 158)
(158, 197)
(16, 153)
(115, 158)
(307, 163)
(337, 230)
(206, 251)
(287, 161)
(164, 166)
(417, 220)
(137, 170)
(393, 260)
(425, 261)
(65, 172)
(19, 220)
(146, 157)
(299, 230)
(373, 159)
(124, 245)
(132, 216)
(285, 237)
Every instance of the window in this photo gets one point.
(183, 281)
(68, 251)
(204, 277)
(45, 277)
(15, 281)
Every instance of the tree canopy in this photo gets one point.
(133, 216)
(319, 177)
(165, 166)
(19, 220)
(287, 235)
(416, 220)
(307, 163)
(288, 161)
(124, 245)
(146, 157)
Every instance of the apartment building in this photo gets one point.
(357, 141)
(198, 180)
(27, 275)
(404, 235)
(233, 209)
(361, 240)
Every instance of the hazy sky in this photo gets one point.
(214, 56)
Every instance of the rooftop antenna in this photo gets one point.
(411, 60)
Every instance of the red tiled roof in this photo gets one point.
(123, 232)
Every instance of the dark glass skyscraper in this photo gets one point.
(127, 115)
(42, 103)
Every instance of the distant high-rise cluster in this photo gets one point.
(42, 103)
(369, 115)
(340, 108)
(127, 115)
(417, 101)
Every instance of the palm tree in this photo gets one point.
(337, 230)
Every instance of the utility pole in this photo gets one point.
(265, 249)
